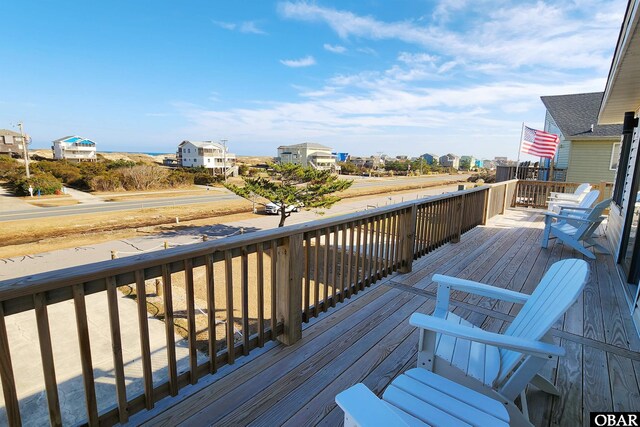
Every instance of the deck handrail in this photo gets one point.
(300, 271)
(536, 193)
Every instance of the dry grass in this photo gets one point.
(52, 203)
(187, 191)
(78, 226)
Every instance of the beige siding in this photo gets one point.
(590, 161)
(614, 229)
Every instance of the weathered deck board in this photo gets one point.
(368, 339)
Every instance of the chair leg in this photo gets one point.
(545, 236)
(544, 384)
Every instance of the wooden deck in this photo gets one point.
(368, 339)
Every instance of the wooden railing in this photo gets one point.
(536, 193)
(258, 287)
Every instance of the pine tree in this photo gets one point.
(293, 185)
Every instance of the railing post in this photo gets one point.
(408, 238)
(602, 187)
(487, 202)
(459, 214)
(289, 270)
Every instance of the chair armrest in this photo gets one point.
(567, 217)
(573, 208)
(561, 196)
(364, 408)
(521, 345)
(481, 289)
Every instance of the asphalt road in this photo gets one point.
(112, 207)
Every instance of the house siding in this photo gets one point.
(590, 161)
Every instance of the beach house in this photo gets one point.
(74, 149)
(306, 154)
(213, 156)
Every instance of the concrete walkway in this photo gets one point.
(82, 197)
(9, 202)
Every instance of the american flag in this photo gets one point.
(539, 143)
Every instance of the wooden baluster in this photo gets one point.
(307, 277)
(334, 263)
(116, 347)
(84, 343)
(7, 376)
(244, 294)
(46, 353)
(316, 275)
(343, 283)
(351, 261)
(380, 247)
(356, 282)
(211, 313)
(274, 295)
(408, 237)
(373, 259)
(387, 243)
(393, 236)
(145, 348)
(365, 254)
(325, 270)
(191, 320)
(167, 297)
(260, 292)
(228, 266)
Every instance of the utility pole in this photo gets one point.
(224, 158)
(25, 150)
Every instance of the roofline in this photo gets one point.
(617, 54)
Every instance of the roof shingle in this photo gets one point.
(574, 114)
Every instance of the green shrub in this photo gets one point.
(44, 182)
(63, 170)
(178, 178)
(9, 167)
(120, 163)
(108, 181)
(205, 178)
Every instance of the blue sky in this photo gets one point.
(362, 76)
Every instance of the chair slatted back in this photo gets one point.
(587, 228)
(556, 292)
(582, 188)
(589, 199)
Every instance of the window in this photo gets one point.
(615, 156)
(2, 141)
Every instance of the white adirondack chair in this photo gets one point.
(500, 365)
(577, 195)
(420, 398)
(586, 203)
(574, 230)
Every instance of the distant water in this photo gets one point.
(135, 152)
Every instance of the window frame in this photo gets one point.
(613, 152)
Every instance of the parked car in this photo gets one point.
(274, 209)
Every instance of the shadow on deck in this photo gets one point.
(368, 339)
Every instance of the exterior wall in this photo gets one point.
(192, 156)
(564, 148)
(71, 152)
(304, 156)
(10, 144)
(590, 161)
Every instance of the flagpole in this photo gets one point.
(519, 149)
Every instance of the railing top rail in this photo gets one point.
(43, 282)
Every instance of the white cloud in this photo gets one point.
(297, 63)
(248, 27)
(334, 48)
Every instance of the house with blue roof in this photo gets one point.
(74, 149)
